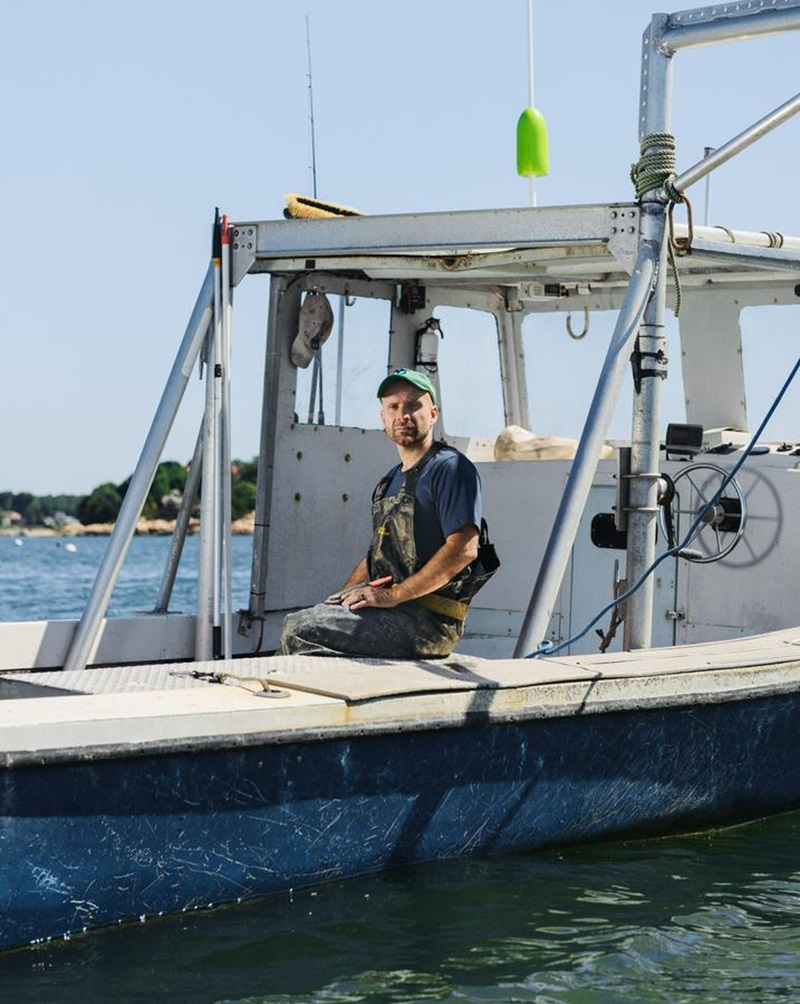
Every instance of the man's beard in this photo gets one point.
(408, 435)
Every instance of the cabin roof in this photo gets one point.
(583, 248)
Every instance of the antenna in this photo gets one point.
(706, 151)
(532, 160)
(532, 178)
(316, 373)
(311, 112)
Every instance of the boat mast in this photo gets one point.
(666, 35)
(650, 356)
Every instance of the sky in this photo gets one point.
(125, 125)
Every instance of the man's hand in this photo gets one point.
(458, 550)
(345, 595)
(371, 595)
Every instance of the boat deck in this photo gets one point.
(137, 710)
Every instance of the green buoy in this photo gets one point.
(532, 160)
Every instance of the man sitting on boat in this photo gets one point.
(409, 597)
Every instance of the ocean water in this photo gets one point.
(46, 578)
(713, 917)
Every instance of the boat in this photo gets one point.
(172, 761)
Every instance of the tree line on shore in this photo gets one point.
(102, 504)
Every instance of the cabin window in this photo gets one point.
(562, 374)
(770, 332)
(469, 372)
(365, 351)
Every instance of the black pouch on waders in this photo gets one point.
(483, 568)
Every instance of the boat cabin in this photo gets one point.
(511, 264)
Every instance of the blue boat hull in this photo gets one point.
(91, 843)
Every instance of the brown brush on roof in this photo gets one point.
(302, 207)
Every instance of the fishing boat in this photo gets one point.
(172, 761)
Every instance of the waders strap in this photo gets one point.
(442, 605)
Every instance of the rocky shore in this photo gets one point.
(144, 528)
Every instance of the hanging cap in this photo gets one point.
(420, 380)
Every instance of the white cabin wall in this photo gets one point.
(324, 477)
(520, 499)
(714, 375)
(711, 342)
(318, 537)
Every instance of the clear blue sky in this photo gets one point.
(124, 125)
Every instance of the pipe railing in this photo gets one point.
(131, 509)
(576, 492)
(734, 146)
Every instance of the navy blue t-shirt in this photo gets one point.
(447, 496)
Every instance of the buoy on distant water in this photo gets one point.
(70, 547)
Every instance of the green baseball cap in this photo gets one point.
(420, 380)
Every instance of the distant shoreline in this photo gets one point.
(144, 528)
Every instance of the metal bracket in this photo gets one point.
(658, 368)
(624, 236)
(246, 620)
(243, 248)
(513, 302)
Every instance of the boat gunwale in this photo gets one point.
(587, 700)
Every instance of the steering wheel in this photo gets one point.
(722, 526)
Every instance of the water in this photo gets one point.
(712, 918)
(707, 918)
(44, 579)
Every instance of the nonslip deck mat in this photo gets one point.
(369, 679)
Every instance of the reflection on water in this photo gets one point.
(712, 918)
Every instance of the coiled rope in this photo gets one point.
(654, 170)
(656, 165)
(774, 238)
